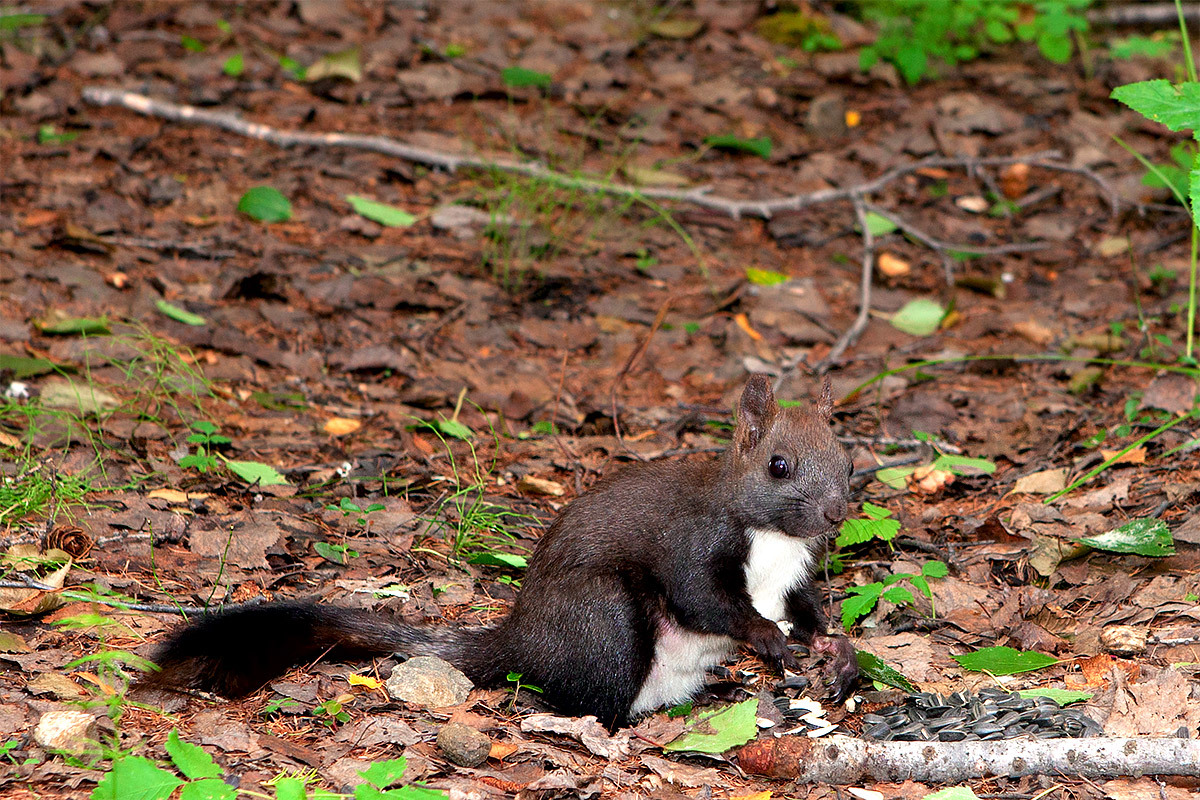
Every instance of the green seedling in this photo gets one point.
(330, 714)
(515, 679)
(206, 439)
(349, 509)
(863, 599)
(336, 553)
(278, 704)
(897, 477)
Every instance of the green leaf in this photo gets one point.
(80, 326)
(1064, 697)
(879, 225)
(331, 553)
(857, 531)
(765, 277)
(208, 789)
(178, 314)
(292, 67)
(1194, 188)
(760, 147)
(676, 27)
(1055, 47)
(519, 78)
(1175, 105)
(895, 477)
(998, 32)
(953, 793)
(877, 669)
(1135, 46)
(287, 788)
(496, 559)
(190, 759)
(385, 773)
(919, 317)
(717, 730)
(876, 512)
(1143, 537)
(963, 465)
(453, 428)
(912, 61)
(25, 367)
(1004, 661)
(860, 602)
(135, 778)
(255, 472)
(11, 22)
(265, 204)
(935, 569)
(342, 64)
(384, 214)
(191, 44)
(234, 65)
(899, 595)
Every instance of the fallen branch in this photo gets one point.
(845, 760)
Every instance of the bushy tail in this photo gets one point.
(235, 652)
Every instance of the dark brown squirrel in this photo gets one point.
(636, 589)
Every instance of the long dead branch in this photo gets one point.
(844, 760)
(698, 196)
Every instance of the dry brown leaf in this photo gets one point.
(531, 484)
(1034, 331)
(1014, 180)
(340, 426)
(1135, 456)
(892, 266)
(1048, 481)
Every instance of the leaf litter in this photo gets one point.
(479, 353)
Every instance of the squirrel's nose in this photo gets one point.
(834, 510)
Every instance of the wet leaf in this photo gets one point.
(1004, 661)
(265, 204)
(716, 731)
(1143, 537)
(382, 213)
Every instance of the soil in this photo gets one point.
(473, 371)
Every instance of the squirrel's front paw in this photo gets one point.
(768, 641)
(843, 663)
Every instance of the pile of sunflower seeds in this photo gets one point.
(963, 717)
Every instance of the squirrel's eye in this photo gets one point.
(778, 467)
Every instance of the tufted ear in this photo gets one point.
(825, 404)
(755, 412)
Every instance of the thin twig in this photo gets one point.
(864, 294)
(699, 195)
(950, 247)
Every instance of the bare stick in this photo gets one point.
(845, 760)
(864, 293)
(698, 196)
(951, 247)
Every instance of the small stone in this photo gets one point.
(464, 745)
(65, 729)
(430, 682)
(1124, 640)
(826, 115)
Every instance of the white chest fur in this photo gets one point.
(775, 565)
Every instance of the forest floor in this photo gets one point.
(466, 375)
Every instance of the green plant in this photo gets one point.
(1177, 106)
(896, 477)
(337, 553)
(349, 508)
(1158, 45)
(41, 492)
(864, 598)
(515, 679)
(915, 32)
(810, 32)
(206, 439)
(331, 714)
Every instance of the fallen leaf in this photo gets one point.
(340, 426)
(743, 322)
(1135, 456)
(892, 266)
(502, 750)
(531, 484)
(364, 680)
(1014, 180)
(1048, 481)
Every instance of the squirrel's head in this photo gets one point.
(788, 471)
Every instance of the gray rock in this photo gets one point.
(826, 115)
(430, 682)
(464, 745)
(69, 730)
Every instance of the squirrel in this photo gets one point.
(640, 585)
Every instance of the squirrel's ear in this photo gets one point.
(754, 414)
(825, 404)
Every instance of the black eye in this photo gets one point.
(778, 467)
(850, 470)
